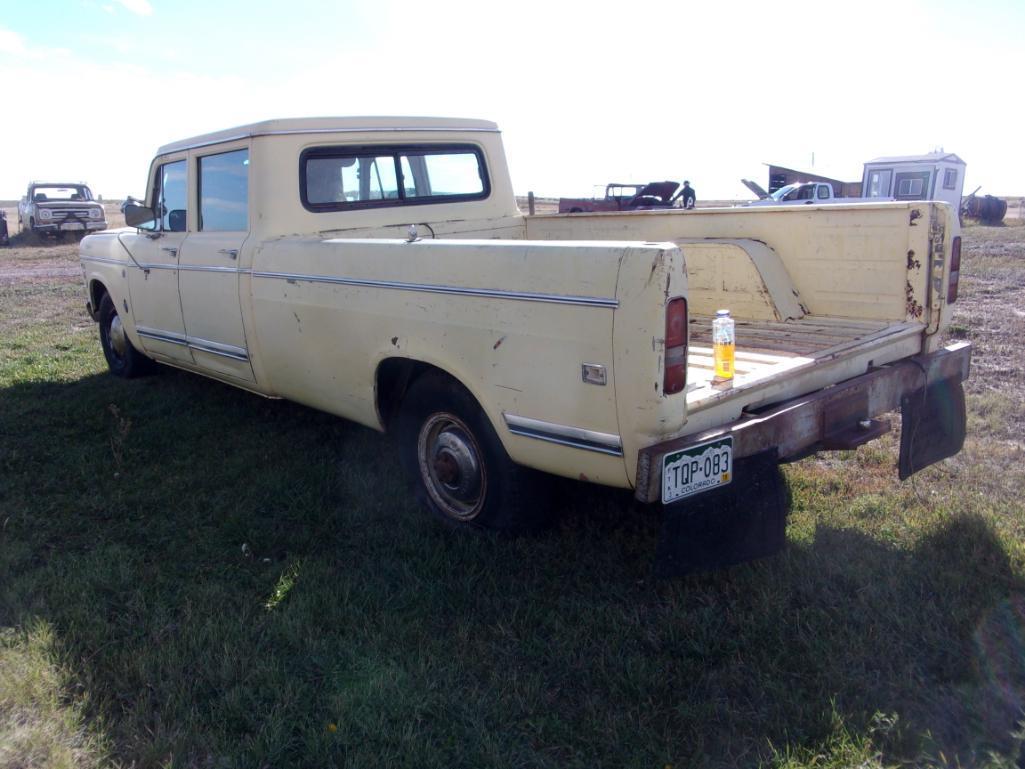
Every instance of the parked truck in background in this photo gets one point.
(624, 197)
(56, 208)
(380, 270)
(801, 193)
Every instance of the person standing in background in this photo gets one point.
(689, 198)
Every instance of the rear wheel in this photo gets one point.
(122, 358)
(459, 467)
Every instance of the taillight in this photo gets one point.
(955, 270)
(675, 378)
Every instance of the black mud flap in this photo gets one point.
(739, 522)
(932, 425)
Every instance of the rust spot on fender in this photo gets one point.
(395, 341)
(498, 343)
(584, 478)
(913, 264)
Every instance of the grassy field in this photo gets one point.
(191, 576)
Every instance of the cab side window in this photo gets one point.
(224, 192)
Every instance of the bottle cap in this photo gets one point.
(722, 314)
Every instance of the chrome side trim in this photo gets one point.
(207, 268)
(180, 267)
(162, 336)
(487, 293)
(564, 435)
(203, 345)
(216, 348)
(101, 260)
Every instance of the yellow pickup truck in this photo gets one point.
(380, 269)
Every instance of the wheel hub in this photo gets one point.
(118, 339)
(451, 466)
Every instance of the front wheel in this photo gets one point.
(458, 465)
(122, 358)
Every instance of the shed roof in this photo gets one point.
(330, 125)
(828, 174)
(932, 157)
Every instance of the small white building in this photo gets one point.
(936, 176)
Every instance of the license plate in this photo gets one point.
(697, 468)
(73, 226)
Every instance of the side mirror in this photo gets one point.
(138, 216)
(176, 220)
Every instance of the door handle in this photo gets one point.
(170, 249)
(232, 252)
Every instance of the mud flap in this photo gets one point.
(737, 523)
(932, 425)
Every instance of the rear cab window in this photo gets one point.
(341, 178)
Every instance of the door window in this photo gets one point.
(172, 206)
(224, 192)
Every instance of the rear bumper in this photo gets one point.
(926, 388)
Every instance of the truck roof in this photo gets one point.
(330, 125)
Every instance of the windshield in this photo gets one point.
(622, 190)
(783, 192)
(73, 192)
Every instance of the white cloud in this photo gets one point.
(11, 42)
(140, 7)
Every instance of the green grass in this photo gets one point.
(194, 576)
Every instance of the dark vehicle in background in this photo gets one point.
(625, 197)
(5, 238)
(54, 208)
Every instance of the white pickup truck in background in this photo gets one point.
(380, 269)
(800, 193)
(57, 208)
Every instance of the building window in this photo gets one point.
(912, 185)
(950, 179)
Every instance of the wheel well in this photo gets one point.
(96, 293)
(394, 377)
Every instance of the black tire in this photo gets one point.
(122, 358)
(457, 464)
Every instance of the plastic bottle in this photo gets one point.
(723, 345)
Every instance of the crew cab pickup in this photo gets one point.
(380, 270)
(52, 208)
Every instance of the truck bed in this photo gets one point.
(765, 350)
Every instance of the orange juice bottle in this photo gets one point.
(723, 345)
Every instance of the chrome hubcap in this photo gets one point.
(118, 340)
(451, 466)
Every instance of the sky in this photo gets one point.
(584, 92)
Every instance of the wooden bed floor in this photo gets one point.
(766, 349)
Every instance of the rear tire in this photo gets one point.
(458, 466)
(122, 358)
